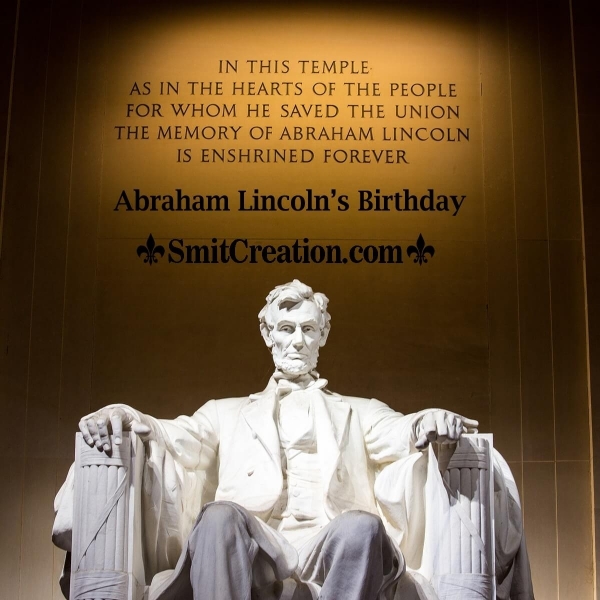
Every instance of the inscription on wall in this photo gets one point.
(237, 117)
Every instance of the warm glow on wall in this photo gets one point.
(328, 102)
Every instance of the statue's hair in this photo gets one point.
(290, 294)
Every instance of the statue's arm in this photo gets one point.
(390, 435)
(192, 441)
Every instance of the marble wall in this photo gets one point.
(587, 71)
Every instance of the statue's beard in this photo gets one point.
(295, 367)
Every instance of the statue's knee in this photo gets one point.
(221, 513)
(360, 527)
(221, 521)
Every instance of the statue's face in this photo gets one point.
(296, 336)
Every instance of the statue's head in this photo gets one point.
(294, 324)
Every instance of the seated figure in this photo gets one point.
(297, 492)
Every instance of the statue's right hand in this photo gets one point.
(96, 426)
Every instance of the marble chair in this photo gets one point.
(107, 557)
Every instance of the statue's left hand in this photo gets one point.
(442, 426)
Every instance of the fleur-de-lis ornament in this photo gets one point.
(421, 250)
(151, 251)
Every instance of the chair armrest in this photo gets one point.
(107, 550)
(469, 480)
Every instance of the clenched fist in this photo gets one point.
(443, 427)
